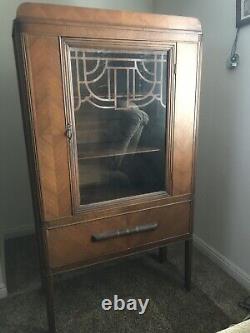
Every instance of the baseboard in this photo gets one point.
(19, 231)
(3, 287)
(3, 291)
(228, 266)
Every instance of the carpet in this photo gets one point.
(78, 302)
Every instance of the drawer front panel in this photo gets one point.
(172, 221)
(90, 241)
(73, 244)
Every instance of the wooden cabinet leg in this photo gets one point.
(188, 264)
(41, 262)
(43, 289)
(50, 303)
(162, 254)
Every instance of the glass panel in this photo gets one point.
(120, 119)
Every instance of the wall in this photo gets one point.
(222, 215)
(15, 198)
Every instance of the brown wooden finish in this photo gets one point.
(163, 253)
(25, 99)
(49, 124)
(49, 288)
(188, 263)
(196, 127)
(120, 255)
(73, 15)
(112, 32)
(65, 229)
(184, 127)
(74, 244)
(96, 212)
(52, 20)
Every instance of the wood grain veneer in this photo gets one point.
(42, 35)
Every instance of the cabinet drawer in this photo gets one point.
(172, 221)
(90, 241)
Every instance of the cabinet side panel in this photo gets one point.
(187, 55)
(49, 125)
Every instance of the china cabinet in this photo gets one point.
(109, 101)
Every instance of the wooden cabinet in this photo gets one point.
(109, 104)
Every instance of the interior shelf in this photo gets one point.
(96, 151)
(106, 193)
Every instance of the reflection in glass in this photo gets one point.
(120, 118)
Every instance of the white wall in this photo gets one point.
(15, 198)
(222, 216)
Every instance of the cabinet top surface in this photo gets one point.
(37, 12)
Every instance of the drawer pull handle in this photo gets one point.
(124, 232)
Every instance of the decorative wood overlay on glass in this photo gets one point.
(114, 79)
(119, 100)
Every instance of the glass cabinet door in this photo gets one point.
(119, 100)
